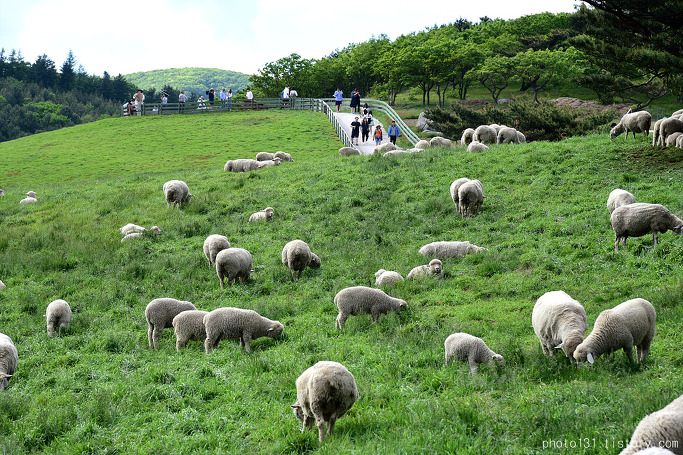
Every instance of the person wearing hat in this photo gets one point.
(355, 131)
(378, 135)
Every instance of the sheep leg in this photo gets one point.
(319, 421)
(654, 238)
(180, 344)
(644, 348)
(156, 334)
(473, 366)
(245, 341)
(330, 424)
(628, 350)
(208, 345)
(341, 319)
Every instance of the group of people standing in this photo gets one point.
(364, 127)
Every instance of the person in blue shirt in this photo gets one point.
(393, 132)
(338, 98)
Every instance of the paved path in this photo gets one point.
(367, 147)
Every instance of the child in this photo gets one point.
(378, 135)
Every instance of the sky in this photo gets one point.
(128, 36)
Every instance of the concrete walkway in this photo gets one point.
(367, 147)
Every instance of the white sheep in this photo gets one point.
(214, 244)
(188, 325)
(679, 142)
(269, 163)
(507, 135)
(241, 165)
(361, 299)
(233, 263)
(477, 147)
(236, 323)
(176, 193)
(672, 139)
(666, 127)
(133, 235)
(8, 360)
(262, 215)
(559, 322)
(466, 137)
(485, 134)
(159, 314)
(30, 198)
(632, 122)
(438, 141)
(445, 249)
(655, 132)
(348, 151)
(324, 393)
(297, 255)
(635, 220)
(2, 285)
(468, 348)
(397, 152)
(265, 156)
(455, 186)
(619, 197)
(470, 197)
(663, 428)
(386, 147)
(435, 268)
(387, 278)
(521, 138)
(57, 315)
(31, 194)
(628, 324)
(422, 144)
(131, 228)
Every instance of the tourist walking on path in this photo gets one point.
(355, 100)
(365, 130)
(393, 132)
(378, 135)
(338, 98)
(355, 130)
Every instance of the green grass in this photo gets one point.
(99, 389)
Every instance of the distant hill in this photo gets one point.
(195, 80)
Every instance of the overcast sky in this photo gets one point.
(232, 35)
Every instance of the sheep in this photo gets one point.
(57, 314)
(455, 186)
(324, 393)
(133, 235)
(361, 299)
(2, 285)
(663, 428)
(159, 314)
(667, 127)
(265, 156)
(2, 192)
(636, 122)
(655, 132)
(619, 197)
(631, 323)
(468, 348)
(234, 263)
(470, 197)
(397, 152)
(422, 144)
(30, 198)
(188, 325)
(485, 134)
(214, 244)
(450, 249)
(8, 360)
(241, 165)
(559, 322)
(386, 147)
(435, 267)
(672, 139)
(176, 193)
(236, 323)
(477, 147)
(387, 277)
(679, 142)
(635, 220)
(678, 113)
(131, 228)
(507, 135)
(262, 215)
(521, 138)
(31, 194)
(348, 151)
(438, 141)
(269, 163)
(297, 255)
(466, 137)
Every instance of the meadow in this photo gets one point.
(99, 389)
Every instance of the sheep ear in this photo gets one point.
(560, 346)
(271, 329)
(590, 358)
(296, 405)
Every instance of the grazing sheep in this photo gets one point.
(477, 147)
(233, 263)
(241, 165)
(435, 268)
(348, 151)
(159, 314)
(422, 144)
(668, 127)
(235, 323)
(297, 255)
(214, 244)
(628, 324)
(455, 186)
(386, 147)
(619, 197)
(438, 141)
(632, 122)
(177, 193)
(361, 299)
(189, 326)
(559, 322)
(8, 360)
(262, 215)
(466, 137)
(521, 138)
(507, 135)
(663, 428)
(450, 249)
(635, 220)
(324, 392)
(57, 314)
(132, 235)
(468, 348)
(387, 278)
(470, 197)
(672, 139)
(655, 132)
(485, 134)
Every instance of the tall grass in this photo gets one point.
(99, 389)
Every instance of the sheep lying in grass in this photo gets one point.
(177, 193)
(387, 278)
(348, 151)
(159, 314)
(468, 348)
(635, 220)
(434, 268)
(628, 324)
(57, 315)
(233, 263)
(663, 428)
(361, 299)
(262, 215)
(154, 230)
(189, 326)
(266, 156)
(633, 122)
(269, 163)
(131, 228)
(438, 141)
(297, 255)
(213, 245)
(470, 197)
(235, 323)
(241, 165)
(559, 322)
(466, 137)
(8, 360)
(324, 393)
(619, 197)
(446, 249)
(30, 198)
(31, 194)
(422, 144)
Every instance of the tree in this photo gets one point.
(542, 68)
(68, 73)
(43, 72)
(495, 74)
(274, 76)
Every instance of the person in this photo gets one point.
(212, 95)
(365, 129)
(164, 101)
(338, 98)
(355, 130)
(378, 135)
(250, 96)
(229, 95)
(182, 98)
(355, 100)
(200, 102)
(285, 96)
(368, 116)
(292, 96)
(139, 101)
(224, 98)
(393, 132)
(131, 107)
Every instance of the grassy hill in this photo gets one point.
(99, 389)
(195, 80)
